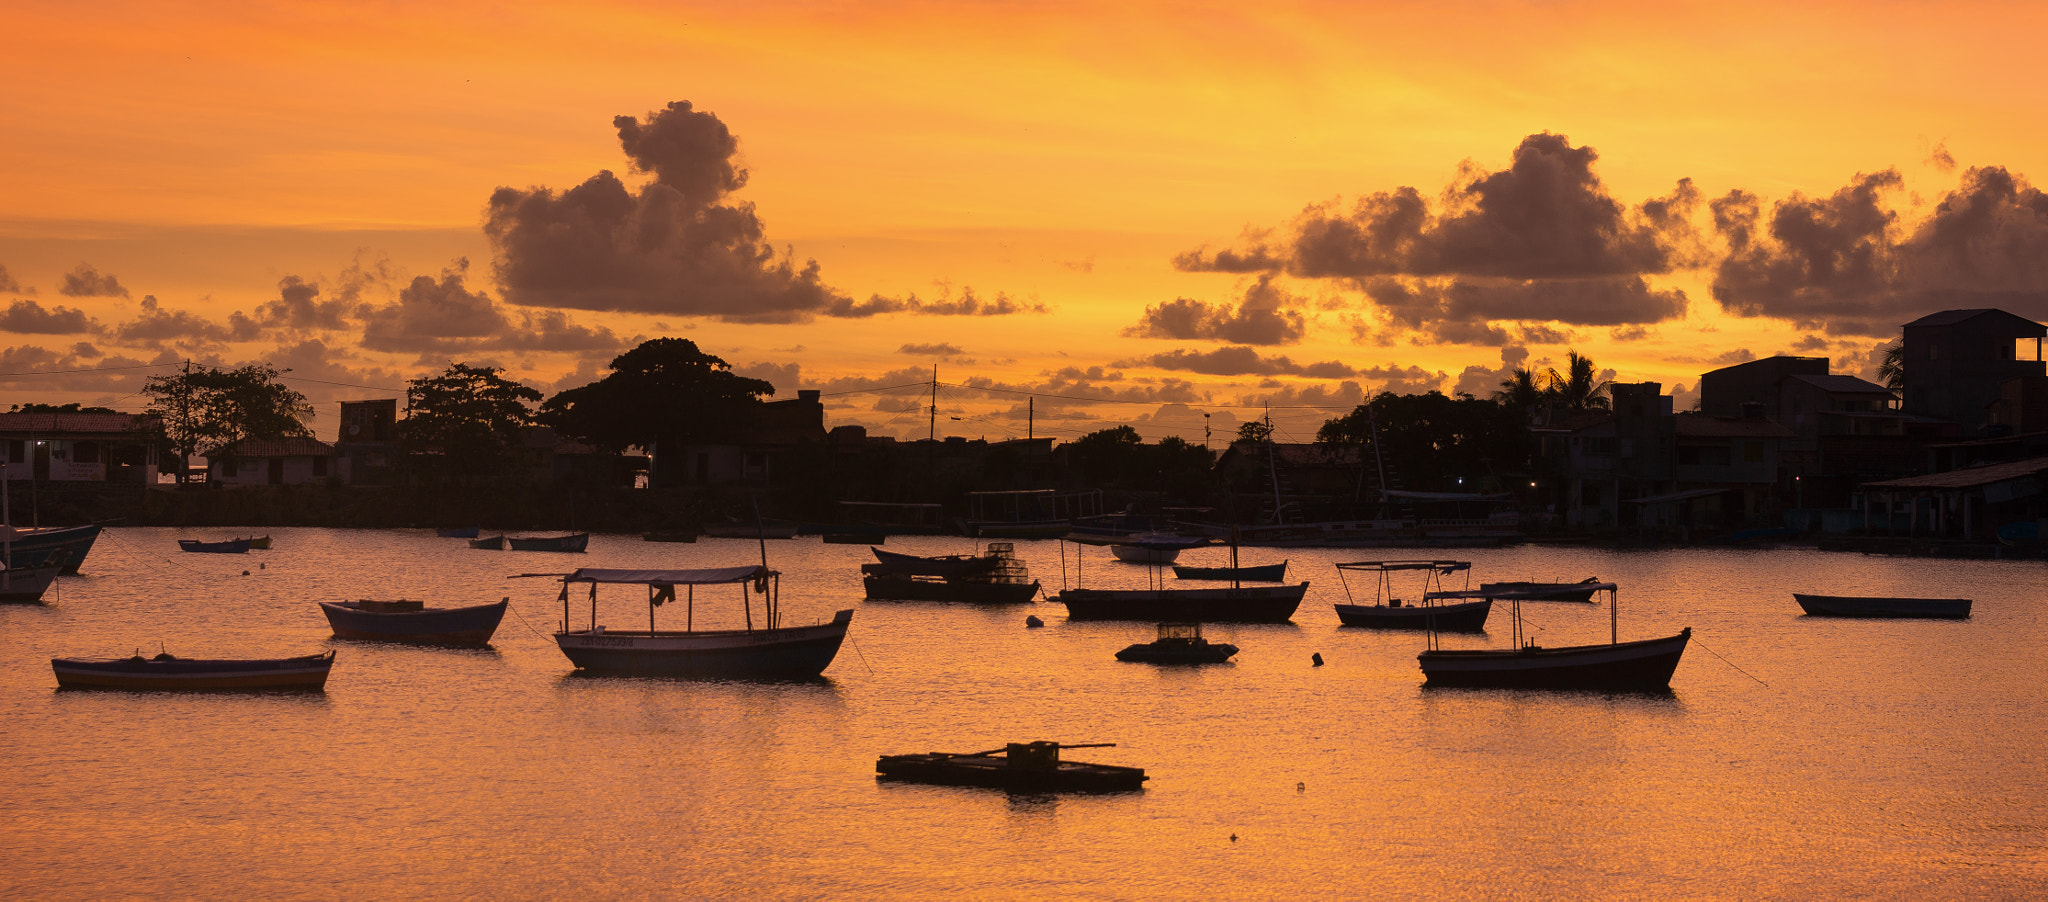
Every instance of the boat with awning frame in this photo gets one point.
(766, 650)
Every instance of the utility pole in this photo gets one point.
(933, 433)
(1030, 417)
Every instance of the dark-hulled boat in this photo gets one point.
(27, 585)
(1241, 604)
(164, 671)
(574, 542)
(414, 622)
(1644, 665)
(1178, 643)
(1431, 608)
(39, 547)
(996, 576)
(231, 546)
(769, 651)
(466, 532)
(1533, 591)
(489, 543)
(1263, 573)
(1030, 767)
(1881, 606)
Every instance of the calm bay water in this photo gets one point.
(1795, 757)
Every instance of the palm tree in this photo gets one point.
(1519, 390)
(1891, 369)
(1577, 388)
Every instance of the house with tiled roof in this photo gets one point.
(290, 461)
(69, 446)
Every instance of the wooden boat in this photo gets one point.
(1879, 606)
(413, 621)
(463, 533)
(1178, 643)
(38, 547)
(1021, 767)
(259, 543)
(494, 543)
(231, 546)
(1155, 548)
(993, 577)
(1430, 608)
(574, 542)
(1240, 604)
(1263, 573)
(767, 651)
(164, 671)
(26, 585)
(1639, 666)
(669, 535)
(1533, 591)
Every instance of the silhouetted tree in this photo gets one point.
(664, 392)
(1432, 440)
(1578, 387)
(465, 423)
(1891, 368)
(213, 408)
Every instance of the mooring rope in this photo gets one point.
(1696, 641)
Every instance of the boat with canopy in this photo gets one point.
(1431, 608)
(1644, 665)
(760, 650)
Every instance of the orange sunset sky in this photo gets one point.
(1134, 214)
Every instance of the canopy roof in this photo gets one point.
(711, 576)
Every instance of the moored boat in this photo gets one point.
(768, 651)
(1239, 604)
(413, 621)
(1021, 767)
(1263, 573)
(165, 671)
(259, 543)
(38, 547)
(1431, 607)
(996, 576)
(493, 543)
(1644, 665)
(1178, 643)
(27, 585)
(574, 542)
(1534, 591)
(467, 532)
(1881, 606)
(231, 546)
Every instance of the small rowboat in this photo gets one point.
(1877, 606)
(231, 546)
(164, 671)
(1263, 573)
(414, 622)
(1532, 591)
(494, 543)
(469, 532)
(260, 543)
(1023, 767)
(574, 542)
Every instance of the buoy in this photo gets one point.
(245, 573)
(1301, 787)
(1033, 622)
(1233, 837)
(1318, 659)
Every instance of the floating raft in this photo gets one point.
(1018, 767)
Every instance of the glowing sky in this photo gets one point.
(1170, 204)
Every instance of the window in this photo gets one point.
(230, 467)
(1752, 452)
(319, 466)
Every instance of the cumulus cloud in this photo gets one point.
(1539, 241)
(9, 286)
(1844, 264)
(1238, 360)
(298, 308)
(46, 374)
(939, 349)
(87, 282)
(433, 313)
(29, 318)
(1482, 382)
(156, 326)
(1265, 316)
(968, 304)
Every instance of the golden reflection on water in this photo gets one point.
(1878, 758)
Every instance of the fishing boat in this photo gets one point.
(259, 543)
(1263, 573)
(1178, 643)
(40, 547)
(494, 543)
(469, 532)
(768, 650)
(165, 671)
(412, 621)
(1880, 606)
(231, 546)
(1430, 607)
(1017, 767)
(1157, 603)
(21, 582)
(573, 542)
(1644, 665)
(995, 576)
(1534, 591)
(1154, 547)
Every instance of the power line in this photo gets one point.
(97, 369)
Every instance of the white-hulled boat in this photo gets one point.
(764, 651)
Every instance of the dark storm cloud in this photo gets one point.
(1265, 316)
(1239, 360)
(29, 318)
(1540, 241)
(87, 282)
(1841, 264)
(9, 286)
